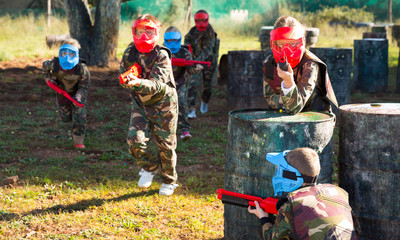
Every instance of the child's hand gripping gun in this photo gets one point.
(283, 64)
(134, 71)
(243, 200)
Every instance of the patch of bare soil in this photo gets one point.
(21, 76)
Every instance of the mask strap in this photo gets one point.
(292, 176)
(308, 179)
(289, 175)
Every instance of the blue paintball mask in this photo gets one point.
(172, 40)
(69, 56)
(286, 177)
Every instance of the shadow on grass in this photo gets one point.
(79, 206)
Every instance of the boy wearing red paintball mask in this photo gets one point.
(295, 79)
(154, 104)
(203, 40)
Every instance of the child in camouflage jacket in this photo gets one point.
(154, 104)
(72, 76)
(203, 40)
(294, 78)
(172, 40)
(306, 210)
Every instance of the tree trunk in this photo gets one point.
(188, 14)
(99, 40)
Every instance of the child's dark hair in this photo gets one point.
(151, 18)
(202, 11)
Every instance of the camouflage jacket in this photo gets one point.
(75, 81)
(313, 90)
(204, 44)
(314, 212)
(158, 83)
(180, 72)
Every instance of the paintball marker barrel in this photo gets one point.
(243, 200)
(181, 62)
(283, 64)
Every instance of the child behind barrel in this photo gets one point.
(172, 40)
(71, 75)
(306, 210)
(300, 82)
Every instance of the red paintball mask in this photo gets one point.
(145, 35)
(287, 42)
(201, 21)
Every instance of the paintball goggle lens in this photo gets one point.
(172, 40)
(140, 31)
(292, 44)
(67, 52)
(201, 20)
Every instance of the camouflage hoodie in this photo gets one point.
(158, 84)
(313, 90)
(204, 44)
(75, 81)
(314, 212)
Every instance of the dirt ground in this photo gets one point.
(21, 76)
(28, 72)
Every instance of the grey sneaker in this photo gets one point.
(167, 189)
(192, 114)
(146, 178)
(203, 107)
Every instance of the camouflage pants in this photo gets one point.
(183, 120)
(194, 83)
(68, 112)
(149, 122)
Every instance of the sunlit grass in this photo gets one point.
(25, 36)
(113, 210)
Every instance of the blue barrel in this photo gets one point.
(371, 69)
(369, 166)
(252, 133)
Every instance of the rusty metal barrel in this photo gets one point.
(369, 166)
(252, 133)
(374, 35)
(245, 79)
(371, 69)
(264, 37)
(340, 68)
(311, 36)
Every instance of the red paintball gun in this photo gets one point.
(135, 70)
(181, 62)
(243, 200)
(63, 93)
(283, 64)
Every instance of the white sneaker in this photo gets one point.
(145, 178)
(192, 114)
(203, 107)
(167, 189)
